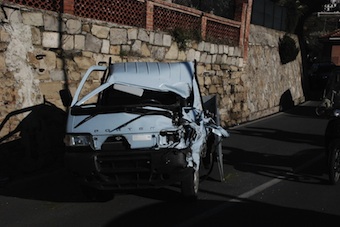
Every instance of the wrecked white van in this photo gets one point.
(144, 126)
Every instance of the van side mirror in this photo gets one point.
(66, 97)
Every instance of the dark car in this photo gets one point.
(330, 107)
(319, 74)
(330, 94)
(332, 145)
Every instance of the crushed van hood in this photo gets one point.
(166, 77)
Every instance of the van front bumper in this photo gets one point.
(127, 169)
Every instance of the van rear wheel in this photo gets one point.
(190, 185)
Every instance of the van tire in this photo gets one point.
(190, 185)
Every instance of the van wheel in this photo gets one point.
(190, 185)
(334, 161)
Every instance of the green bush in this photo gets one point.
(287, 49)
(182, 37)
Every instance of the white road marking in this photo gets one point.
(274, 181)
(258, 189)
(245, 195)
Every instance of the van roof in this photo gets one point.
(177, 77)
(151, 74)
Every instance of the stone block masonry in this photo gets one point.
(40, 51)
(268, 81)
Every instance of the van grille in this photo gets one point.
(127, 171)
(133, 169)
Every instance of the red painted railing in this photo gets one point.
(156, 15)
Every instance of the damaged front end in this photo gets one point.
(144, 126)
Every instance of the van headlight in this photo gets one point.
(74, 140)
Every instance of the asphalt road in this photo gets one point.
(275, 175)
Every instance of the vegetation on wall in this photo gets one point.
(182, 37)
(287, 49)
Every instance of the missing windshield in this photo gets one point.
(113, 97)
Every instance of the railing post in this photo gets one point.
(149, 15)
(247, 11)
(204, 27)
(243, 14)
(68, 6)
(242, 18)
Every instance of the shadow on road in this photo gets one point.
(219, 213)
(54, 185)
(287, 167)
(304, 111)
(291, 165)
(35, 146)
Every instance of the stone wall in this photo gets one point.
(36, 62)
(271, 86)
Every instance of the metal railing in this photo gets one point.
(149, 14)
